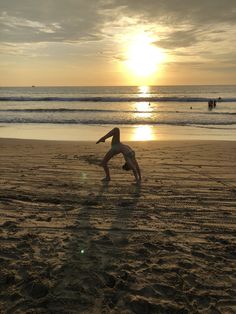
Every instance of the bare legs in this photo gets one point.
(114, 133)
(104, 163)
(138, 169)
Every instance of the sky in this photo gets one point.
(117, 42)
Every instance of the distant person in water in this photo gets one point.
(210, 104)
(119, 148)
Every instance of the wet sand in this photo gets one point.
(71, 244)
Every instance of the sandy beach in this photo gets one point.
(71, 244)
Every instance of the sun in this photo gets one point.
(143, 57)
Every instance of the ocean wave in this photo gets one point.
(214, 127)
(112, 99)
(69, 110)
(113, 122)
(39, 110)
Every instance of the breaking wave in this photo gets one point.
(112, 99)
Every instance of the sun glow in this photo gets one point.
(143, 57)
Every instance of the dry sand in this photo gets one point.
(70, 244)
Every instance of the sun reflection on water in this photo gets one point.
(143, 110)
(144, 90)
(143, 133)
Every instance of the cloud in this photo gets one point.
(181, 11)
(13, 23)
(98, 31)
(187, 22)
(51, 20)
(81, 20)
(178, 39)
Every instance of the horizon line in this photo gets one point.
(151, 85)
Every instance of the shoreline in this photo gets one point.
(93, 142)
(128, 133)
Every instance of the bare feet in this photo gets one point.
(106, 179)
(100, 141)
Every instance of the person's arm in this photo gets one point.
(138, 169)
(114, 132)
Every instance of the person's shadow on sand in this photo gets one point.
(98, 239)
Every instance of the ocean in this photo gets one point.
(142, 112)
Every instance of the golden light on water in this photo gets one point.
(144, 90)
(142, 106)
(143, 109)
(143, 57)
(143, 133)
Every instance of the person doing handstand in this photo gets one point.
(119, 148)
